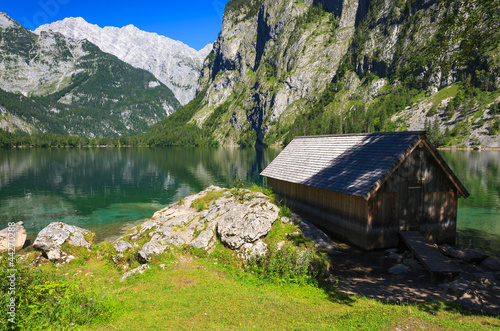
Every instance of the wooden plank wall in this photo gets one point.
(345, 216)
(438, 197)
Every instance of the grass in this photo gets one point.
(205, 293)
(201, 293)
(447, 92)
(203, 202)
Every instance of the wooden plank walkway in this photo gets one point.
(435, 262)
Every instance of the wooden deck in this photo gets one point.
(431, 258)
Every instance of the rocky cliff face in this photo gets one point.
(278, 63)
(175, 64)
(50, 83)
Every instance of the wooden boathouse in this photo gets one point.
(367, 188)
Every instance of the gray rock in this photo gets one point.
(321, 241)
(485, 278)
(19, 237)
(391, 250)
(121, 246)
(470, 301)
(412, 263)
(491, 264)
(77, 239)
(396, 257)
(459, 286)
(151, 248)
(472, 255)
(445, 287)
(399, 269)
(54, 254)
(50, 239)
(448, 250)
(251, 250)
(205, 240)
(246, 222)
(138, 270)
(148, 225)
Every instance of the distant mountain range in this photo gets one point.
(175, 64)
(52, 83)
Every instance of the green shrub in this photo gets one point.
(45, 300)
(289, 264)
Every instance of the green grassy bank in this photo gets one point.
(192, 292)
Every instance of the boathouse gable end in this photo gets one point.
(366, 188)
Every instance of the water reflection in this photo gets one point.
(102, 189)
(106, 189)
(478, 219)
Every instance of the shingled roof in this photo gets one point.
(355, 164)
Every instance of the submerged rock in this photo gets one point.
(52, 237)
(18, 239)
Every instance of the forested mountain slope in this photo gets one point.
(282, 68)
(50, 83)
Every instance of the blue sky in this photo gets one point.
(195, 22)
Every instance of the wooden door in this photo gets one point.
(410, 205)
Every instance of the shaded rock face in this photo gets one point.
(15, 235)
(51, 238)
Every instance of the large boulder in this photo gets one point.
(472, 255)
(491, 264)
(52, 237)
(15, 234)
(247, 222)
(205, 240)
(150, 248)
(448, 250)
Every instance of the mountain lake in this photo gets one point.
(108, 190)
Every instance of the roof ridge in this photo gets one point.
(363, 134)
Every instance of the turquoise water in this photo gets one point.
(109, 190)
(478, 219)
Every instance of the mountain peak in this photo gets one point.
(6, 21)
(174, 63)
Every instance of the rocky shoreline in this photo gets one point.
(241, 219)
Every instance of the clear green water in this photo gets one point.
(478, 219)
(109, 190)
